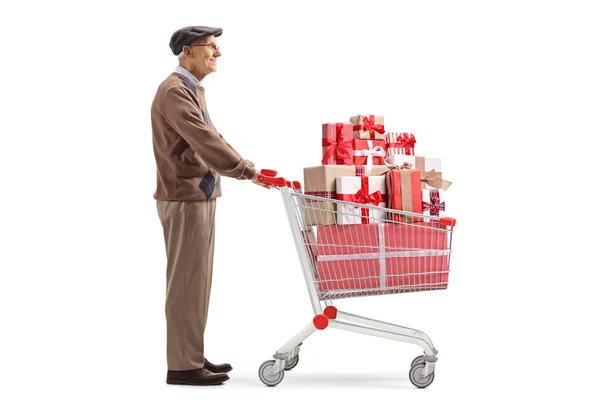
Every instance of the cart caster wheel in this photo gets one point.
(417, 360)
(292, 362)
(415, 378)
(264, 373)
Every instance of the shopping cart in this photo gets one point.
(352, 249)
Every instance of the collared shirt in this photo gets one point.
(182, 71)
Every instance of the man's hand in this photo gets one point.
(257, 182)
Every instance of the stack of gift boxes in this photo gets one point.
(364, 164)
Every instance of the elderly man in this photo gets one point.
(190, 157)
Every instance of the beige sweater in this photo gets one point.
(190, 153)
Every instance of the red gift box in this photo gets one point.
(368, 152)
(337, 144)
(401, 257)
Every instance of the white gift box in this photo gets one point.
(350, 188)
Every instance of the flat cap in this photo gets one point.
(187, 35)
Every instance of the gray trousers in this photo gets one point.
(189, 230)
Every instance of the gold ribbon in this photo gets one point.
(434, 179)
(400, 167)
(420, 164)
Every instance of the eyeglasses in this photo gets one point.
(212, 46)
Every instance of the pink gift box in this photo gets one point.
(403, 257)
(337, 144)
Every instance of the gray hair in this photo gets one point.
(180, 56)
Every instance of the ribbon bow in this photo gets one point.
(404, 165)
(369, 125)
(436, 205)
(409, 143)
(339, 147)
(409, 139)
(362, 196)
(434, 179)
(398, 143)
(365, 198)
(372, 151)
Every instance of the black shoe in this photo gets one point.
(198, 377)
(217, 368)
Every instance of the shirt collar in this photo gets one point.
(182, 71)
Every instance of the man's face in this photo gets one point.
(203, 55)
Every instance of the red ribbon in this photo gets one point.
(363, 197)
(395, 140)
(436, 205)
(409, 143)
(369, 125)
(339, 147)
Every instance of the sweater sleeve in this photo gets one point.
(230, 146)
(225, 141)
(183, 114)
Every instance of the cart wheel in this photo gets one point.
(264, 373)
(415, 378)
(292, 362)
(417, 360)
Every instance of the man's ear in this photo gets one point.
(187, 51)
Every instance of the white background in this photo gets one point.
(506, 93)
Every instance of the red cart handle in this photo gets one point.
(268, 172)
(268, 176)
(295, 185)
(446, 221)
